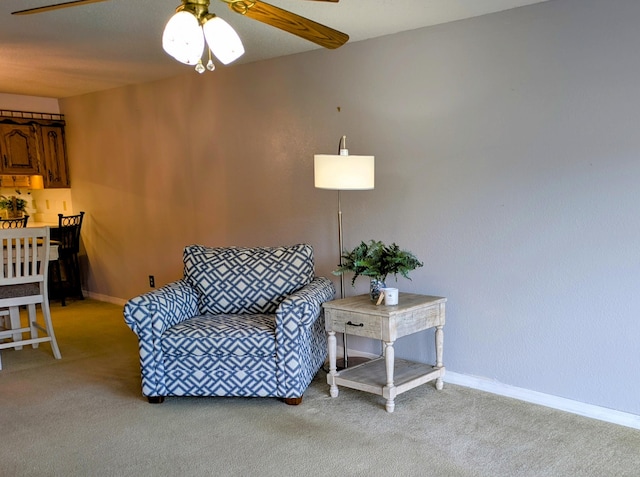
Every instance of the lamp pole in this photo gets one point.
(340, 245)
(342, 293)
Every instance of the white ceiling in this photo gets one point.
(99, 46)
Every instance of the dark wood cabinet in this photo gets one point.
(19, 149)
(54, 157)
(34, 143)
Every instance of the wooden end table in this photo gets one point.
(385, 376)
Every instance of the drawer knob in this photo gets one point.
(353, 324)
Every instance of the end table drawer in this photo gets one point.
(355, 324)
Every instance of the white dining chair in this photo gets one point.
(23, 282)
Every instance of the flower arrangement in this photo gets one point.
(377, 260)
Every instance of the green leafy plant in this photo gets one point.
(8, 203)
(377, 260)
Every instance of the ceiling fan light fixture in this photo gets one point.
(223, 40)
(187, 31)
(183, 38)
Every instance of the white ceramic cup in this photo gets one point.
(390, 296)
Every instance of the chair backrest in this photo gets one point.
(68, 233)
(25, 256)
(246, 280)
(14, 223)
(69, 220)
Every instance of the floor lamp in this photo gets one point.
(343, 172)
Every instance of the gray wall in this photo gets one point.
(507, 159)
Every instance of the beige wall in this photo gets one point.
(507, 159)
(221, 159)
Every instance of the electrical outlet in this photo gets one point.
(152, 281)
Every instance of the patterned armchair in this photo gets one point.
(241, 322)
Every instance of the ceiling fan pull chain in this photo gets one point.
(210, 65)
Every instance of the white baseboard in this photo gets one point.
(534, 397)
(105, 298)
(548, 400)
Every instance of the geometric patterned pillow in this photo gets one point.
(246, 280)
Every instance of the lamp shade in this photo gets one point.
(36, 182)
(183, 38)
(344, 172)
(223, 40)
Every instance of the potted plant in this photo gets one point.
(13, 207)
(376, 261)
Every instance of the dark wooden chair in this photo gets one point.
(67, 236)
(14, 223)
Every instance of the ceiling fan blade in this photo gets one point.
(48, 8)
(292, 23)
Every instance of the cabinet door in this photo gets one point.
(19, 149)
(54, 157)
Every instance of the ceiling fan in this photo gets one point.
(258, 10)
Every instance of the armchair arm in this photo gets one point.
(152, 313)
(303, 306)
(300, 336)
(148, 316)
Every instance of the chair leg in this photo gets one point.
(65, 278)
(155, 399)
(4, 319)
(32, 323)
(76, 276)
(71, 266)
(46, 313)
(56, 281)
(14, 318)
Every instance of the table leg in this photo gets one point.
(389, 391)
(331, 377)
(439, 350)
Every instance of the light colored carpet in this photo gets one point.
(84, 416)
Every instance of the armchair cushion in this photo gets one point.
(222, 335)
(246, 280)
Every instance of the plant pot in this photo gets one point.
(17, 214)
(374, 288)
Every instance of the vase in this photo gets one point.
(374, 288)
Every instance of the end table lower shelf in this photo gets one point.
(371, 377)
